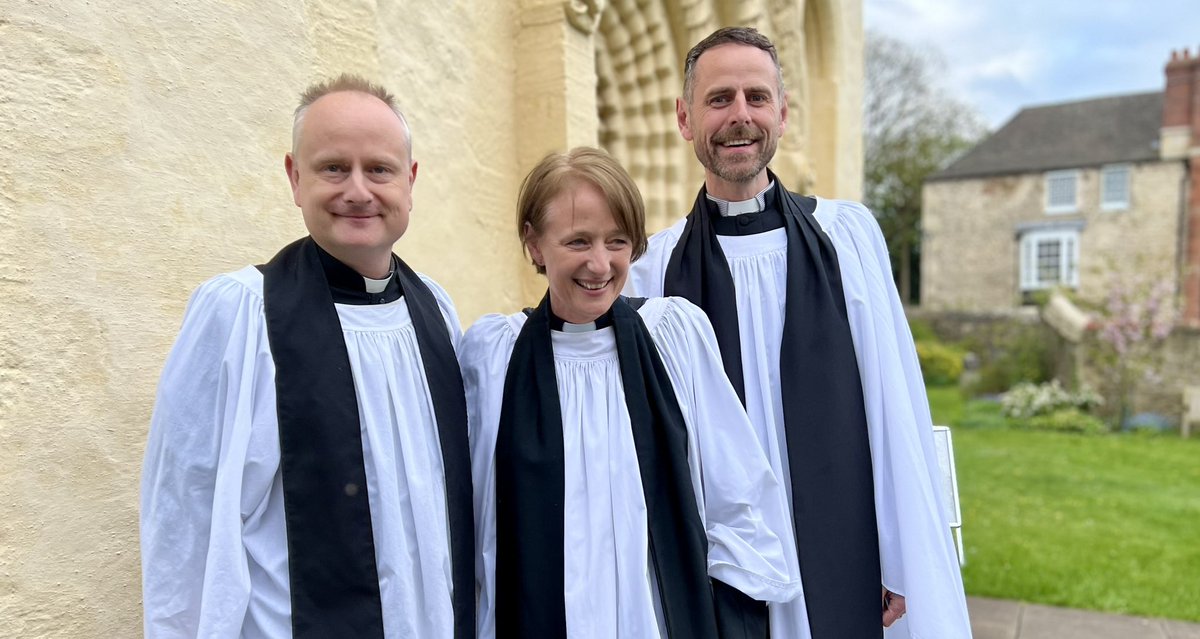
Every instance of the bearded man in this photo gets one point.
(814, 339)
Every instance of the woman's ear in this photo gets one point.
(531, 245)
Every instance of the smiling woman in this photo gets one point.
(582, 221)
(590, 418)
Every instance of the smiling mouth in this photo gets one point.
(593, 286)
(735, 144)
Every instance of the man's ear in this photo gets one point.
(783, 112)
(681, 118)
(293, 173)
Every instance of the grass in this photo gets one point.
(1108, 522)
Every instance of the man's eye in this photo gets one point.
(720, 99)
(381, 170)
(331, 168)
(758, 98)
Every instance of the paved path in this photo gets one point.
(999, 619)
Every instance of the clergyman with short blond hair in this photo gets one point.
(307, 469)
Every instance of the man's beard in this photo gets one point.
(745, 169)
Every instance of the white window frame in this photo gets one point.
(1058, 175)
(1115, 205)
(1068, 266)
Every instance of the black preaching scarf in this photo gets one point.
(331, 548)
(825, 424)
(530, 487)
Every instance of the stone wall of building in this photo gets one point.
(1143, 240)
(144, 146)
(970, 244)
(968, 248)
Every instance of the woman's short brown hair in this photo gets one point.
(558, 172)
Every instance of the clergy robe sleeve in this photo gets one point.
(751, 544)
(646, 274)
(916, 549)
(483, 355)
(446, 305)
(195, 490)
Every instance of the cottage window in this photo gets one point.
(1049, 259)
(1060, 191)
(1114, 187)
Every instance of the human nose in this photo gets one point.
(357, 190)
(739, 112)
(598, 260)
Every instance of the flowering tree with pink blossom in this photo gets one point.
(1137, 317)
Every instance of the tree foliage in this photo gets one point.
(912, 128)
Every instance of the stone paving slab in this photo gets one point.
(1000, 619)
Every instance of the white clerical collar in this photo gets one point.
(568, 327)
(753, 205)
(376, 286)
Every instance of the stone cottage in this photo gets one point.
(1067, 195)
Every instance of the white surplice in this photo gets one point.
(213, 538)
(609, 580)
(917, 553)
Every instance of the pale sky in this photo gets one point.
(1002, 55)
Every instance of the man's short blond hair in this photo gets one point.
(346, 82)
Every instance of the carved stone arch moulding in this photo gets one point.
(585, 14)
(640, 48)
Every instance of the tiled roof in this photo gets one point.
(1123, 128)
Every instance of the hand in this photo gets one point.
(893, 607)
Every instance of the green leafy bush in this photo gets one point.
(921, 330)
(1070, 420)
(1027, 400)
(940, 364)
(1007, 357)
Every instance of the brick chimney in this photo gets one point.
(1181, 99)
(1180, 140)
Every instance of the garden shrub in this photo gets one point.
(1070, 420)
(941, 365)
(922, 330)
(1052, 407)
(1008, 357)
(1030, 400)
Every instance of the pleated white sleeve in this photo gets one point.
(916, 547)
(195, 574)
(483, 356)
(751, 545)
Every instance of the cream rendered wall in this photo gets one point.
(969, 251)
(143, 153)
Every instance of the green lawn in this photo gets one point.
(1107, 522)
